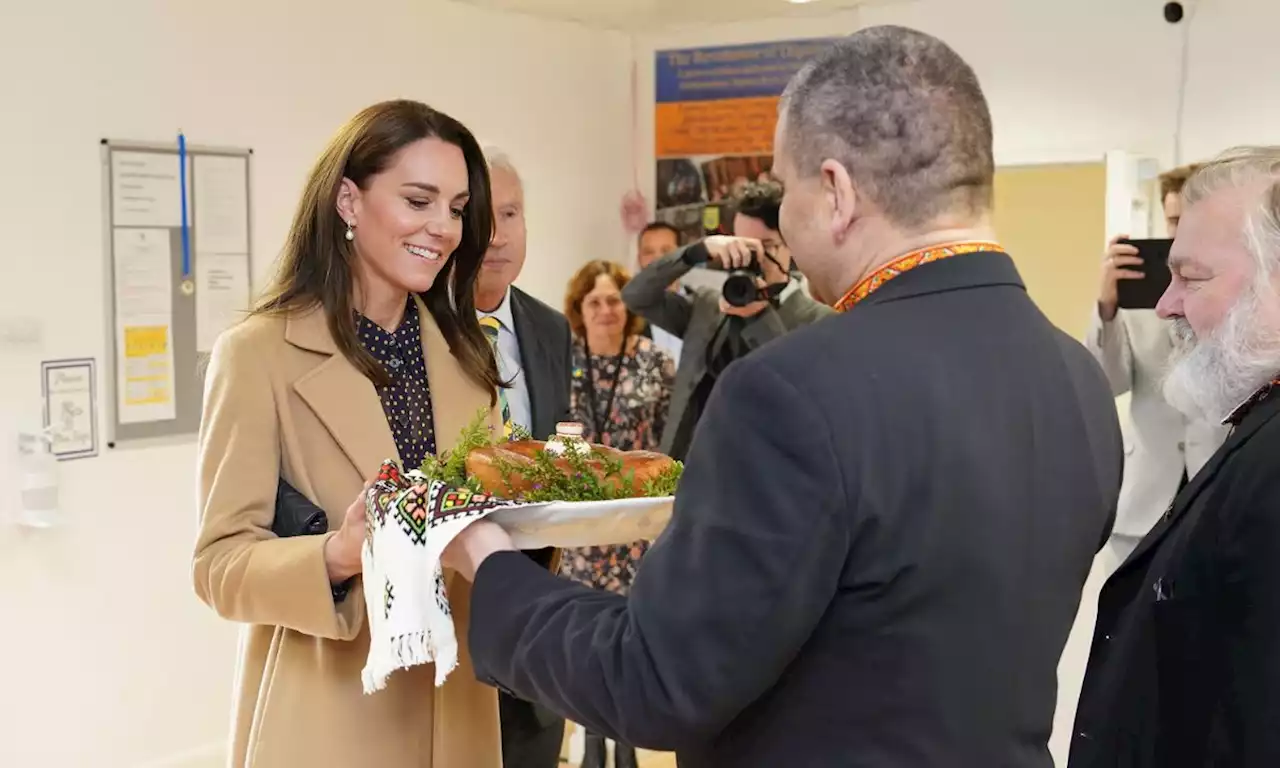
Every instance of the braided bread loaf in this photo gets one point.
(484, 464)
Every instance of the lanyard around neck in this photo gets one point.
(597, 421)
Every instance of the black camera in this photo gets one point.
(740, 287)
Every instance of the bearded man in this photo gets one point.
(1185, 665)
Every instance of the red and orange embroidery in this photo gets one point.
(872, 283)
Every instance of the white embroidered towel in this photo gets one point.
(410, 522)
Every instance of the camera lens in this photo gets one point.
(740, 289)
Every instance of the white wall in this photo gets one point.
(106, 657)
(1067, 81)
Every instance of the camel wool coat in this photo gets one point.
(281, 401)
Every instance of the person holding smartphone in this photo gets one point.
(1163, 448)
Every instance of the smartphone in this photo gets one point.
(1145, 292)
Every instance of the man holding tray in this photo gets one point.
(880, 539)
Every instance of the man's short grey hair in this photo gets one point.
(1243, 166)
(904, 114)
(497, 158)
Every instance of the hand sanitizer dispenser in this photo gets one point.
(37, 481)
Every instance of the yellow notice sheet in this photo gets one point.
(144, 326)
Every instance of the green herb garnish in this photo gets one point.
(549, 482)
(450, 466)
(665, 483)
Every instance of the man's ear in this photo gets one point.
(841, 196)
(348, 202)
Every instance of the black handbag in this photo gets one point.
(296, 515)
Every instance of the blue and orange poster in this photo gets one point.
(713, 124)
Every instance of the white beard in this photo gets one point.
(1210, 377)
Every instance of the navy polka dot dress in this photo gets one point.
(407, 399)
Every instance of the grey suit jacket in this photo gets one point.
(694, 315)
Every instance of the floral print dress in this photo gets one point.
(634, 422)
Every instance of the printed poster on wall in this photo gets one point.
(71, 407)
(713, 125)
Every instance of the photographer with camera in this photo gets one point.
(760, 301)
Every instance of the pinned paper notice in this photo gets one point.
(221, 205)
(144, 314)
(148, 377)
(222, 294)
(145, 190)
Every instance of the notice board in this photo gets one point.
(178, 254)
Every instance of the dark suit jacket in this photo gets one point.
(546, 352)
(876, 554)
(1185, 665)
(694, 316)
(545, 356)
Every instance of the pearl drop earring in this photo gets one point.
(351, 235)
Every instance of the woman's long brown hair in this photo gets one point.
(317, 264)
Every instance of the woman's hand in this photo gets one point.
(342, 550)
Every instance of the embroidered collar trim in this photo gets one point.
(903, 264)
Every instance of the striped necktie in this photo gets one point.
(490, 326)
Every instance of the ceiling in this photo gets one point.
(648, 14)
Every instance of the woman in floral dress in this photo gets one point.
(620, 392)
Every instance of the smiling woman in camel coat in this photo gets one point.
(281, 401)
